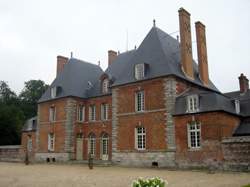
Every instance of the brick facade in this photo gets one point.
(215, 126)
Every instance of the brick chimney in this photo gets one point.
(186, 43)
(244, 85)
(111, 56)
(202, 52)
(61, 61)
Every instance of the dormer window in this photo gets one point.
(105, 84)
(237, 106)
(192, 103)
(53, 92)
(139, 71)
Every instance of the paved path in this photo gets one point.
(16, 174)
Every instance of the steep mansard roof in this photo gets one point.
(76, 79)
(159, 51)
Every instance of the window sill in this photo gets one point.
(194, 149)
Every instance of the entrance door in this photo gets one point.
(104, 147)
(79, 149)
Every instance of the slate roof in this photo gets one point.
(76, 79)
(159, 51)
(208, 102)
(30, 124)
(238, 95)
(244, 99)
(243, 129)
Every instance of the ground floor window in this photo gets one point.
(194, 135)
(91, 144)
(140, 138)
(51, 141)
(104, 146)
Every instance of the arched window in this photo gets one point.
(140, 138)
(105, 85)
(91, 144)
(104, 146)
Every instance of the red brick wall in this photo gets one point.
(97, 127)
(56, 127)
(154, 121)
(214, 127)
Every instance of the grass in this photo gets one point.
(248, 185)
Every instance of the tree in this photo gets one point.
(29, 96)
(7, 96)
(11, 116)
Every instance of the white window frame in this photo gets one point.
(92, 145)
(194, 135)
(81, 113)
(104, 111)
(139, 71)
(237, 106)
(140, 101)
(52, 114)
(51, 141)
(192, 103)
(140, 138)
(53, 92)
(92, 113)
(29, 143)
(105, 84)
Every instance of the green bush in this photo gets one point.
(153, 182)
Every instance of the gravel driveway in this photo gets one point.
(17, 174)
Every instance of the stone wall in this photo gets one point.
(145, 159)
(11, 153)
(236, 152)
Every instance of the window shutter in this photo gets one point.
(188, 136)
(136, 141)
(136, 101)
(54, 137)
(49, 142)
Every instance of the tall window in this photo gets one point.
(81, 113)
(194, 135)
(104, 111)
(192, 103)
(29, 143)
(105, 84)
(52, 114)
(139, 71)
(91, 144)
(92, 113)
(104, 147)
(140, 138)
(51, 141)
(237, 106)
(53, 92)
(139, 101)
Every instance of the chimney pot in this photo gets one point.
(111, 56)
(244, 83)
(202, 52)
(186, 43)
(61, 61)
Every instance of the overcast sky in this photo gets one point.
(33, 33)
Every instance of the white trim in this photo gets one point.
(192, 103)
(83, 113)
(197, 135)
(139, 71)
(142, 101)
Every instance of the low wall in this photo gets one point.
(236, 152)
(11, 153)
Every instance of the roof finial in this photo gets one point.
(71, 54)
(154, 22)
(99, 63)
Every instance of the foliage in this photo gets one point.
(248, 185)
(153, 182)
(14, 110)
(29, 96)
